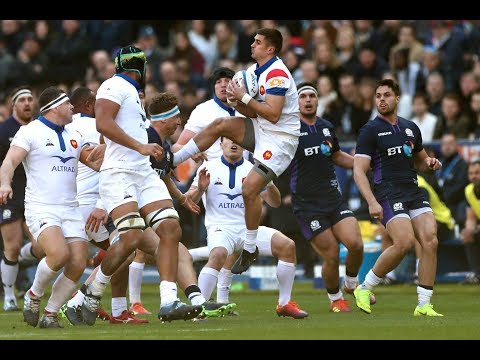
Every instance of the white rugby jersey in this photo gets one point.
(87, 178)
(131, 118)
(274, 78)
(203, 115)
(223, 198)
(51, 163)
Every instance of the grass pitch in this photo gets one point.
(391, 318)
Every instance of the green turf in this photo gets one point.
(391, 318)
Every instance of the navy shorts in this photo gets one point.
(314, 217)
(401, 200)
(10, 213)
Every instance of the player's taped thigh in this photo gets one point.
(264, 171)
(248, 141)
(156, 217)
(129, 221)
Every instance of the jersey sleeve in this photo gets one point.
(365, 142)
(418, 138)
(195, 123)
(23, 139)
(335, 145)
(277, 82)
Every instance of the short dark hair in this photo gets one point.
(391, 84)
(80, 96)
(49, 94)
(162, 102)
(273, 37)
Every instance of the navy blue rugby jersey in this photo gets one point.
(8, 129)
(161, 167)
(391, 148)
(312, 171)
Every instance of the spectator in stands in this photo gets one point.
(68, 53)
(345, 114)
(34, 61)
(471, 232)
(109, 35)
(185, 50)
(453, 177)
(475, 115)
(435, 89)
(422, 117)
(452, 120)
(345, 46)
(326, 94)
(369, 64)
(407, 40)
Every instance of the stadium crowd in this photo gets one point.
(435, 62)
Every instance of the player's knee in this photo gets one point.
(129, 222)
(155, 218)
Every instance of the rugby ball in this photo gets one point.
(249, 79)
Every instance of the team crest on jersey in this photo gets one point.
(74, 143)
(409, 132)
(262, 90)
(267, 155)
(49, 143)
(218, 182)
(7, 214)
(326, 132)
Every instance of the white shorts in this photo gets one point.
(68, 218)
(231, 237)
(120, 186)
(274, 149)
(102, 233)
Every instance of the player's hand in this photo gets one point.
(433, 163)
(96, 218)
(200, 157)
(237, 91)
(376, 211)
(203, 179)
(154, 150)
(6, 193)
(190, 205)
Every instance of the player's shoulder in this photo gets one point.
(322, 122)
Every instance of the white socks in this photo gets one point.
(224, 282)
(135, 277)
(207, 280)
(286, 277)
(186, 152)
(250, 240)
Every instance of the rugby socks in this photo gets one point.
(371, 280)
(77, 300)
(62, 290)
(286, 277)
(9, 270)
(135, 277)
(168, 292)
(26, 252)
(207, 280)
(424, 295)
(199, 254)
(119, 305)
(337, 296)
(98, 285)
(250, 240)
(194, 295)
(224, 282)
(351, 281)
(43, 276)
(185, 152)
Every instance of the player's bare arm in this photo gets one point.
(361, 165)
(105, 113)
(423, 162)
(14, 157)
(343, 159)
